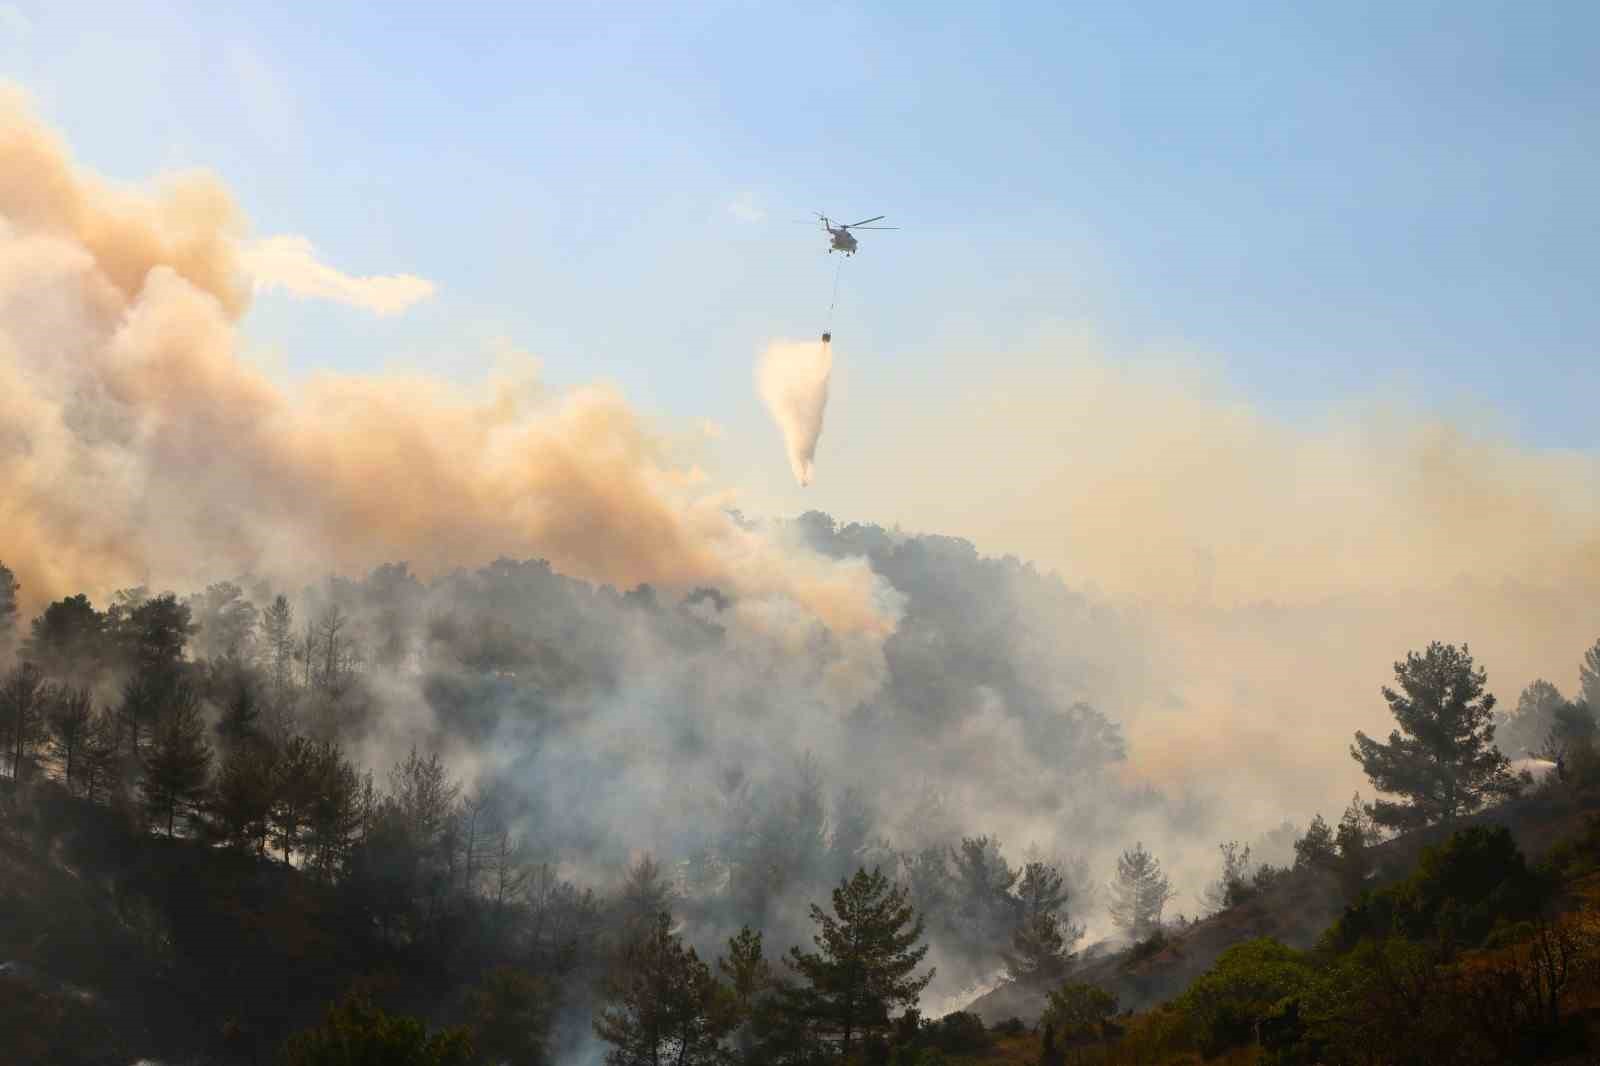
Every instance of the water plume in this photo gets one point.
(793, 381)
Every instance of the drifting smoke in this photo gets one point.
(1281, 568)
(793, 381)
(290, 263)
(137, 447)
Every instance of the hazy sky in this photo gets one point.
(1320, 202)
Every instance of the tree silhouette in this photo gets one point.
(178, 763)
(277, 627)
(868, 950)
(1317, 849)
(1589, 676)
(71, 717)
(1524, 731)
(982, 882)
(1041, 944)
(24, 697)
(1442, 759)
(510, 1017)
(244, 795)
(68, 639)
(8, 605)
(662, 1004)
(224, 623)
(1139, 894)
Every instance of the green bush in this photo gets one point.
(1460, 890)
(958, 1033)
(1249, 980)
(1078, 1009)
(356, 1033)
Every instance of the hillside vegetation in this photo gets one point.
(194, 869)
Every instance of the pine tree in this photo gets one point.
(982, 882)
(144, 696)
(8, 607)
(294, 789)
(333, 816)
(152, 633)
(1523, 731)
(506, 867)
(1572, 727)
(1589, 677)
(277, 626)
(1139, 894)
(864, 968)
(102, 745)
(68, 639)
(662, 1004)
(750, 985)
(24, 698)
(1355, 835)
(1317, 850)
(645, 894)
(242, 806)
(1442, 759)
(178, 763)
(224, 623)
(746, 969)
(1041, 945)
(70, 721)
(1040, 953)
(1233, 886)
(1041, 890)
(511, 1012)
(241, 717)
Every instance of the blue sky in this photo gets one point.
(1321, 198)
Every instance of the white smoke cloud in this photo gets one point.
(793, 381)
(290, 262)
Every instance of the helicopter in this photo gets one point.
(840, 238)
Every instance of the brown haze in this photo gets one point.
(135, 446)
(1285, 566)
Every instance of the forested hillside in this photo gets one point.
(549, 821)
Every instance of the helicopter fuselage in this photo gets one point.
(842, 241)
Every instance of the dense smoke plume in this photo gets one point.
(139, 447)
(793, 380)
